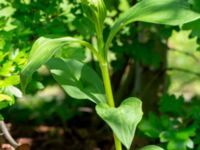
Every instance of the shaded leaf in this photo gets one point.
(4, 104)
(171, 104)
(122, 120)
(194, 26)
(151, 126)
(77, 79)
(196, 5)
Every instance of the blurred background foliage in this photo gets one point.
(159, 64)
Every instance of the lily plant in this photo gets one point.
(81, 82)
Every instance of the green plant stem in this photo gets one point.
(109, 94)
(118, 144)
(107, 84)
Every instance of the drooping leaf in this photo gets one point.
(151, 147)
(122, 120)
(169, 12)
(78, 80)
(43, 49)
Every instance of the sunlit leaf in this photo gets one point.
(5, 101)
(169, 12)
(11, 80)
(122, 120)
(7, 11)
(5, 97)
(12, 90)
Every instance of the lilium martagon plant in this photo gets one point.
(73, 75)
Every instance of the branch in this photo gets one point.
(187, 54)
(182, 70)
(8, 135)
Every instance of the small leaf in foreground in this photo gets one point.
(122, 120)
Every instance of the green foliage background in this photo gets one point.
(153, 62)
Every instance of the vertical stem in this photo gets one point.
(106, 78)
(107, 84)
(118, 145)
(109, 94)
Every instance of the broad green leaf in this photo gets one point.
(77, 79)
(43, 49)
(122, 120)
(151, 147)
(169, 12)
